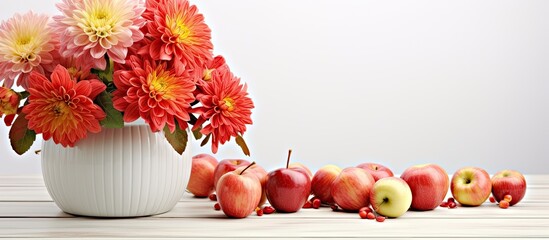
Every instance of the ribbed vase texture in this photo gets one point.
(122, 172)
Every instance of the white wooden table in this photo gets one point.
(27, 211)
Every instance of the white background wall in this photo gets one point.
(456, 83)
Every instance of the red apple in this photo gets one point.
(508, 182)
(471, 186)
(351, 189)
(288, 188)
(261, 174)
(377, 171)
(263, 181)
(226, 166)
(429, 184)
(201, 182)
(300, 165)
(321, 185)
(238, 192)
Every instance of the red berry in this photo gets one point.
(370, 215)
(492, 199)
(452, 205)
(366, 209)
(508, 198)
(307, 205)
(362, 214)
(268, 210)
(213, 197)
(380, 218)
(450, 200)
(217, 207)
(259, 212)
(316, 203)
(334, 207)
(444, 204)
(503, 204)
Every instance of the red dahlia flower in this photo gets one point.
(226, 104)
(155, 93)
(62, 108)
(178, 32)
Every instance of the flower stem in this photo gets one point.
(193, 119)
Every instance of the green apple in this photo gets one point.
(391, 197)
(471, 186)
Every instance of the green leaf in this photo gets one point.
(21, 137)
(205, 140)
(240, 141)
(178, 139)
(105, 75)
(23, 94)
(197, 134)
(114, 117)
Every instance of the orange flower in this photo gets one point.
(9, 102)
(226, 104)
(214, 66)
(178, 33)
(62, 108)
(153, 92)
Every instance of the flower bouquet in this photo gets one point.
(103, 63)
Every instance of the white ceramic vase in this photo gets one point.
(122, 172)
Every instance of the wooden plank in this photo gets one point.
(203, 209)
(274, 238)
(31, 209)
(21, 181)
(15, 194)
(266, 227)
(193, 218)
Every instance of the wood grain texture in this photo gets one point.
(36, 193)
(231, 238)
(26, 211)
(21, 181)
(200, 208)
(266, 227)
(270, 237)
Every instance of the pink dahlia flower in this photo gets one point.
(92, 28)
(62, 108)
(226, 104)
(154, 92)
(26, 44)
(178, 32)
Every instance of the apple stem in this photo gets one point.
(288, 161)
(251, 164)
